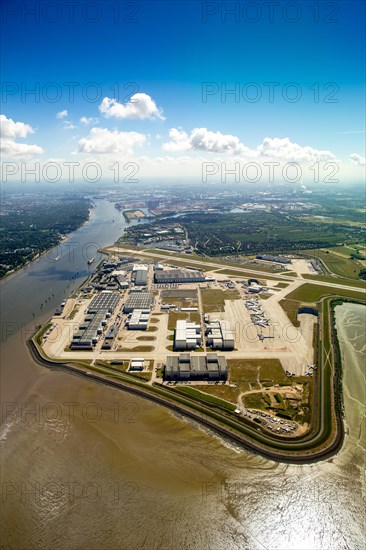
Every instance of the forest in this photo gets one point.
(31, 224)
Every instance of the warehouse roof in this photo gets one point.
(171, 274)
(139, 300)
(104, 300)
(188, 366)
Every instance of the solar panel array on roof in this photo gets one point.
(88, 330)
(104, 300)
(138, 300)
(101, 305)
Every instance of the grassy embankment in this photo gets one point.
(241, 429)
(309, 294)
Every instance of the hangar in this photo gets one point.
(178, 276)
(186, 367)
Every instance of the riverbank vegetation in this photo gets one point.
(32, 224)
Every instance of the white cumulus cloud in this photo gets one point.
(10, 131)
(62, 114)
(357, 160)
(13, 130)
(140, 106)
(101, 140)
(89, 120)
(9, 148)
(284, 149)
(201, 139)
(68, 125)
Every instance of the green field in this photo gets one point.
(174, 316)
(258, 374)
(348, 250)
(334, 221)
(180, 298)
(214, 300)
(284, 408)
(291, 308)
(210, 399)
(312, 293)
(138, 348)
(141, 375)
(329, 279)
(251, 370)
(336, 261)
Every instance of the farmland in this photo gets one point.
(339, 260)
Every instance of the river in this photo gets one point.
(87, 466)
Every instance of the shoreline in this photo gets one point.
(221, 427)
(232, 434)
(39, 255)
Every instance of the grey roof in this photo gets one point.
(178, 274)
(101, 304)
(197, 367)
(104, 300)
(141, 277)
(139, 300)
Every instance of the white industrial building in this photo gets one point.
(220, 336)
(139, 267)
(138, 319)
(137, 364)
(187, 336)
(121, 278)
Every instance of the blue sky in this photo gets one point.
(169, 50)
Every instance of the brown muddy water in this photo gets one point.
(85, 466)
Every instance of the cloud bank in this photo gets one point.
(103, 141)
(202, 139)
